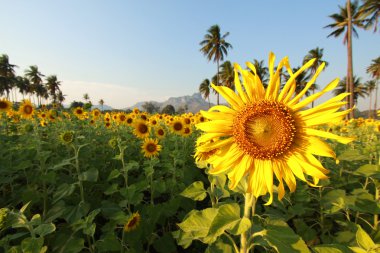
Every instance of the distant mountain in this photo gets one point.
(194, 103)
(105, 107)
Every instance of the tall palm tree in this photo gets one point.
(316, 53)
(261, 71)
(53, 84)
(22, 84)
(35, 78)
(227, 75)
(214, 47)
(7, 75)
(344, 23)
(370, 86)
(204, 89)
(370, 10)
(374, 71)
(359, 88)
(60, 97)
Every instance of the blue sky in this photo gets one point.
(131, 51)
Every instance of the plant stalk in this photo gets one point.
(249, 201)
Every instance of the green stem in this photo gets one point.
(249, 201)
(376, 216)
(78, 173)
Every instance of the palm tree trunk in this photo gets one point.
(349, 56)
(209, 105)
(375, 107)
(370, 103)
(217, 80)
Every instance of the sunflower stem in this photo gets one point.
(249, 202)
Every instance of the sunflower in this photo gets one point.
(129, 120)
(96, 113)
(79, 112)
(141, 128)
(187, 131)
(67, 137)
(5, 105)
(132, 222)
(177, 125)
(160, 132)
(150, 147)
(121, 117)
(26, 109)
(268, 132)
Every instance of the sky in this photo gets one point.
(125, 51)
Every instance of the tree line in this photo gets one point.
(351, 16)
(32, 84)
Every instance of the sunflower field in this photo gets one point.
(91, 181)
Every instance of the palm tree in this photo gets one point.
(359, 88)
(53, 84)
(345, 22)
(7, 75)
(60, 97)
(374, 71)
(101, 102)
(214, 47)
(227, 75)
(316, 53)
(35, 78)
(22, 83)
(204, 89)
(370, 86)
(261, 71)
(370, 10)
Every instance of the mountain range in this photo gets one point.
(194, 103)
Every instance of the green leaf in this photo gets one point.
(108, 243)
(62, 191)
(334, 200)
(283, 239)
(165, 244)
(32, 245)
(367, 170)
(218, 180)
(363, 239)
(195, 191)
(132, 194)
(112, 189)
(331, 248)
(114, 174)
(228, 217)
(183, 239)
(220, 247)
(198, 222)
(44, 229)
(243, 225)
(352, 155)
(90, 175)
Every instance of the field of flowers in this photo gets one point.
(88, 181)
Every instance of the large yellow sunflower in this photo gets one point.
(141, 128)
(26, 109)
(270, 131)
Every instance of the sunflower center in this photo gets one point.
(177, 126)
(28, 109)
(151, 147)
(264, 130)
(3, 105)
(143, 128)
(160, 132)
(132, 222)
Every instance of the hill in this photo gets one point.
(194, 103)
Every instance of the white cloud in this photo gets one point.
(116, 96)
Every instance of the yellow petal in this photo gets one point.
(326, 118)
(268, 174)
(238, 85)
(320, 133)
(318, 147)
(230, 96)
(216, 126)
(217, 115)
(237, 173)
(214, 145)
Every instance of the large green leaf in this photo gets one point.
(283, 239)
(198, 222)
(368, 170)
(195, 191)
(334, 200)
(44, 229)
(228, 217)
(363, 239)
(352, 155)
(64, 190)
(32, 245)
